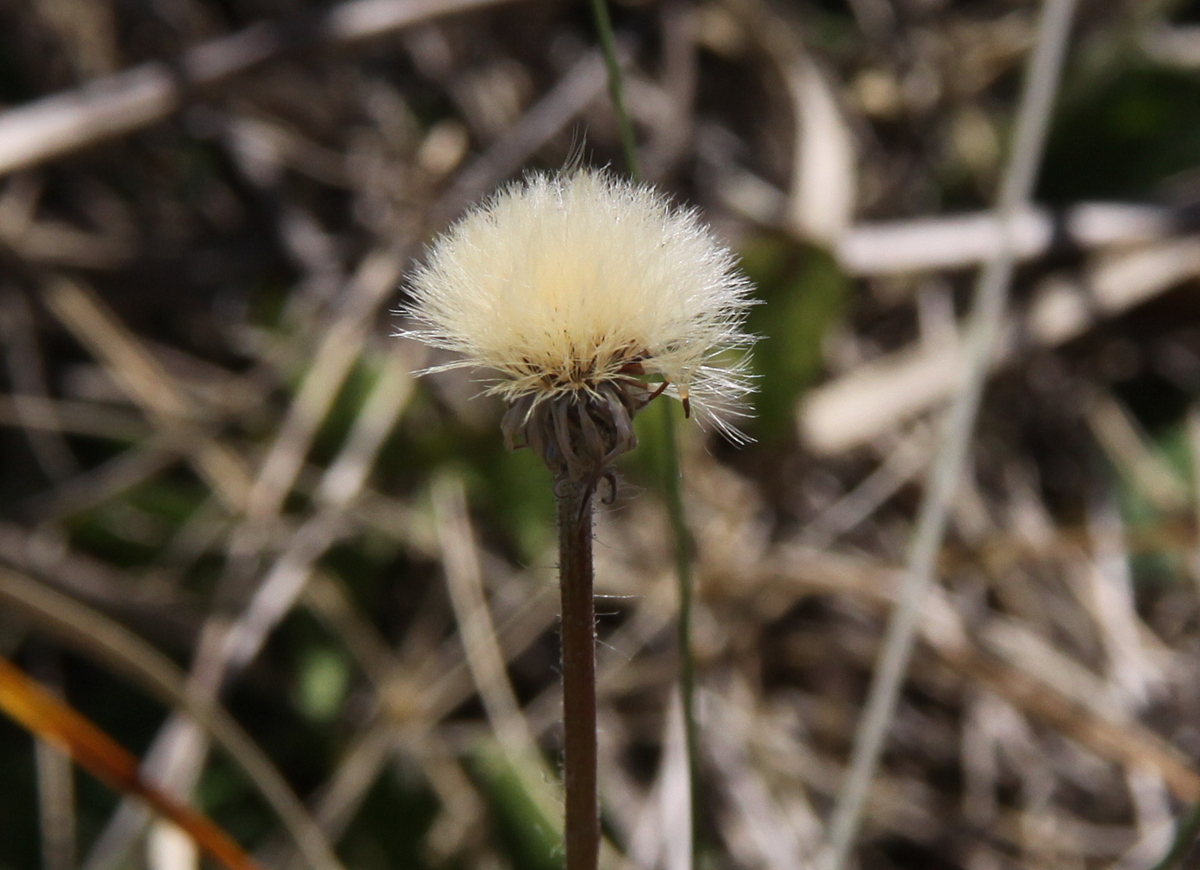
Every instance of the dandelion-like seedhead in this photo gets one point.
(586, 295)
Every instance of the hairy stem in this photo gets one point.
(582, 836)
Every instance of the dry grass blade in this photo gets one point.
(927, 244)
(875, 397)
(1006, 661)
(29, 380)
(763, 834)
(90, 632)
(342, 483)
(482, 649)
(51, 720)
(662, 833)
(987, 315)
(231, 648)
(904, 462)
(55, 779)
(484, 657)
(337, 352)
(76, 418)
(147, 383)
(129, 100)
(820, 200)
(109, 479)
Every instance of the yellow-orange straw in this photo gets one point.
(53, 721)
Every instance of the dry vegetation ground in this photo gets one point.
(210, 438)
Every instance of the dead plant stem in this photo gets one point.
(991, 297)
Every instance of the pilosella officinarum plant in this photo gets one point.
(585, 297)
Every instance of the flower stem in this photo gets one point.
(582, 838)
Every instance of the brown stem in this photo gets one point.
(582, 837)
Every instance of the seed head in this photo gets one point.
(586, 295)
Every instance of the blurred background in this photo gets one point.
(211, 439)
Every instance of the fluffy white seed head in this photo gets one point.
(563, 283)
